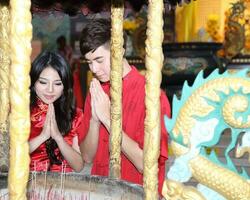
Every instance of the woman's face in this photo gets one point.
(49, 86)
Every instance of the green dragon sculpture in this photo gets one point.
(200, 116)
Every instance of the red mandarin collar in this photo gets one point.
(130, 74)
(39, 109)
(43, 106)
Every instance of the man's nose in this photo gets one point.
(94, 68)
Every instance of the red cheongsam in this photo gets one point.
(39, 157)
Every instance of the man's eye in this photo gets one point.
(99, 61)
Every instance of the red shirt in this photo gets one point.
(133, 115)
(39, 157)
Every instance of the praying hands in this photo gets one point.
(100, 104)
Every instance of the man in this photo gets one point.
(94, 140)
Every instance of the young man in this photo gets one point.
(94, 141)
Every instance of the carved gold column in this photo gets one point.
(21, 35)
(117, 10)
(154, 62)
(4, 86)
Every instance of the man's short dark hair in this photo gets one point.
(95, 33)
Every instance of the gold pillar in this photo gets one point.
(4, 86)
(117, 51)
(21, 35)
(154, 62)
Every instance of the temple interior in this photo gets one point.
(200, 35)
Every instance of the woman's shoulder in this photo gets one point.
(78, 117)
(79, 112)
(76, 123)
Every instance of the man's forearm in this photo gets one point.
(130, 148)
(89, 145)
(132, 151)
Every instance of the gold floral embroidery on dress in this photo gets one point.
(39, 109)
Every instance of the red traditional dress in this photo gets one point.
(133, 115)
(39, 157)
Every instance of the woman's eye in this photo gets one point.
(42, 82)
(58, 84)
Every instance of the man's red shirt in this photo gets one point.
(133, 116)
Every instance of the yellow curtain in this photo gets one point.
(185, 22)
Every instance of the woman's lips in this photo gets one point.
(49, 97)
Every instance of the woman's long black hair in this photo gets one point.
(64, 106)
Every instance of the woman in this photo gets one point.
(55, 122)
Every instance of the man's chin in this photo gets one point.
(102, 81)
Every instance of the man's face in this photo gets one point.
(99, 62)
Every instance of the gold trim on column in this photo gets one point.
(117, 10)
(4, 86)
(154, 62)
(21, 35)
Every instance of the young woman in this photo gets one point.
(55, 122)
